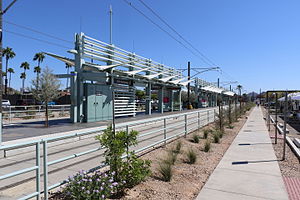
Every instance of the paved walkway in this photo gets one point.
(249, 169)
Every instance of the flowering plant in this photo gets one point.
(98, 185)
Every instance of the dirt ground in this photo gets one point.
(188, 179)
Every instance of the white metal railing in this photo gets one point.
(163, 129)
(12, 113)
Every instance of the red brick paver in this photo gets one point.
(292, 185)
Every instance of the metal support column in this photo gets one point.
(161, 100)
(148, 100)
(73, 108)
(276, 117)
(180, 100)
(284, 124)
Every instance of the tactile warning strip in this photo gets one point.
(292, 185)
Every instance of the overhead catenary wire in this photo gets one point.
(161, 28)
(205, 58)
(37, 31)
(37, 39)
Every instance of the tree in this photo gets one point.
(25, 66)
(10, 71)
(68, 69)
(37, 70)
(49, 86)
(8, 53)
(239, 87)
(40, 58)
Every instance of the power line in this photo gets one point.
(162, 29)
(37, 39)
(36, 31)
(205, 58)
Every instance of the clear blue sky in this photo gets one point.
(256, 42)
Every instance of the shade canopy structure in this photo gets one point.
(211, 88)
(229, 93)
(292, 96)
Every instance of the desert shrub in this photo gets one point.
(216, 137)
(89, 186)
(196, 138)
(230, 126)
(191, 156)
(171, 158)
(166, 171)
(177, 147)
(207, 146)
(206, 133)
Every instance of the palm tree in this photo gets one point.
(239, 87)
(68, 66)
(10, 71)
(9, 54)
(25, 66)
(40, 58)
(37, 70)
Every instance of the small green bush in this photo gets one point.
(207, 146)
(134, 171)
(166, 171)
(230, 126)
(196, 138)
(191, 156)
(177, 147)
(216, 138)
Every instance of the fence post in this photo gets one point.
(214, 114)
(185, 125)
(38, 170)
(208, 117)
(63, 111)
(45, 159)
(199, 124)
(9, 114)
(165, 130)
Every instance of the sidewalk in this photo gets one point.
(249, 169)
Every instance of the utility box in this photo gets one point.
(98, 102)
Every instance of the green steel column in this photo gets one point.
(172, 100)
(160, 100)
(180, 101)
(73, 114)
(148, 100)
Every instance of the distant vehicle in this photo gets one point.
(5, 103)
(50, 103)
(25, 102)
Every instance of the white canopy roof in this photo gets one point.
(211, 88)
(291, 96)
(229, 93)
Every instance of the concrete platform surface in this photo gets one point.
(249, 169)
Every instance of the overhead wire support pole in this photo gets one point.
(2, 12)
(189, 84)
(110, 24)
